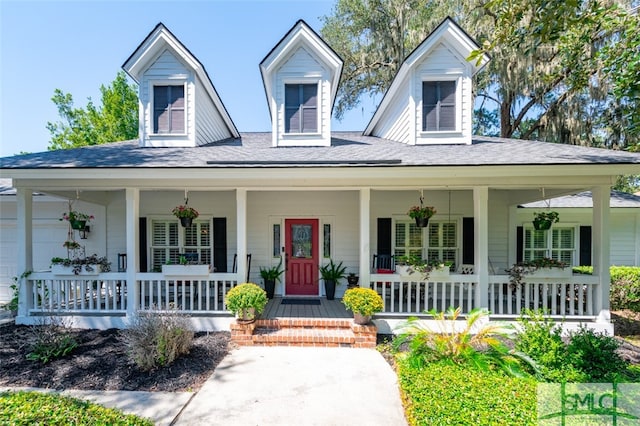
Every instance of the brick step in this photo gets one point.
(304, 332)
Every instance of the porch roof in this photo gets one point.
(585, 200)
(350, 149)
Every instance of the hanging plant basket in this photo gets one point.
(422, 222)
(542, 221)
(186, 221)
(78, 224)
(541, 224)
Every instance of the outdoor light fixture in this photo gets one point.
(84, 232)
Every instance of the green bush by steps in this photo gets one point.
(444, 393)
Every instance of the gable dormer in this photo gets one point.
(178, 105)
(300, 76)
(430, 100)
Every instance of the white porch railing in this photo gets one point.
(571, 297)
(403, 296)
(109, 293)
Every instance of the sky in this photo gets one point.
(76, 46)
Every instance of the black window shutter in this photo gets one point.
(384, 235)
(220, 244)
(142, 243)
(519, 243)
(468, 254)
(585, 246)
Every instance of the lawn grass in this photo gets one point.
(29, 408)
(444, 393)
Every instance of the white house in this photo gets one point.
(307, 194)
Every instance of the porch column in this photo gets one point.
(365, 232)
(601, 250)
(481, 243)
(133, 251)
(241, 217)
(24, 226)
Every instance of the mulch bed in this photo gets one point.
(100, 363)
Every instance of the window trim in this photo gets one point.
(575, 256)
(319, 101)
(175, 82)
(457, 78)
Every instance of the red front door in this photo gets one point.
(301, 245)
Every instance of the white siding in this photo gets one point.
(209, 125)
(396, 123)
(304, 66)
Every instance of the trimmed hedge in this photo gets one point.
(29, 408)
(444, 393)
(625, 286)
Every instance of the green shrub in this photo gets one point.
(363, 301)
(51, 341)
(594, 354)
(32, 408)
(625, 288)
(246, 296)
(472, 343)
(442, 393)
(157, 338)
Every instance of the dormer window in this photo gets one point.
(438, 106)
(168, 109)
(301, 108)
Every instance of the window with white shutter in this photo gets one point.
(301, 108)
(168, 109)
(169, 240)
(443, 242)
(408, 239)
(557, 243)
(438, 106)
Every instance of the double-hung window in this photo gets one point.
(438, 106)
(443, 242)
(168, 109)
(408, 239)
(557, 243)
(169, 240)
(301, 108)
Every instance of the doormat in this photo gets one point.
(300, 302)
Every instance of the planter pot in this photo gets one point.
(422, 222)
(541, 224)
(185, 270)
(246, 315)
(406, 271)
(551, 273)
(78, 224)
(270, 288)
(330, 289)
(186, 221)
(68, 270)
(353, 281)
(440, 273)
(361, 319)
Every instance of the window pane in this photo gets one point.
(447, 117)
(448, 92)
(160, 97)
(300, 104)
(301, 236)
(310, 119)
(292, 120)
(327, 240)
(177, 96)
(309, 95)
(415, 235)
(276, 240)
(429, 93)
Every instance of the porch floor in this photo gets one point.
(326, 309)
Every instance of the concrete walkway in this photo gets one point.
(275, 386)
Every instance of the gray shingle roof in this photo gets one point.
(585, 200)
(255, 150)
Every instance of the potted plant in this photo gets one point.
(421, 214)
(543, 220)
(331, 275)
(363, 302)
(352, 280)
(186, 214)
(184, 268)
(90, 265)
(246, 301)
(77, 220)
(270, 276)
(550, 268)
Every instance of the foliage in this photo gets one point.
(469, 342)
(560, 71)
(363, 301)
(15, 291)
(74, 216)
(36, 408)
(519, 270)
(51, 341)
(273, 273)
(547, 216)
(588, 356)
(245, 296)
(333, 272)
(625, 287)
(157, 338)
(185, 212)
(87, 262)
(421, 211)
(444, 393)
(71, 244)
(594, 354)
(115, 120)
